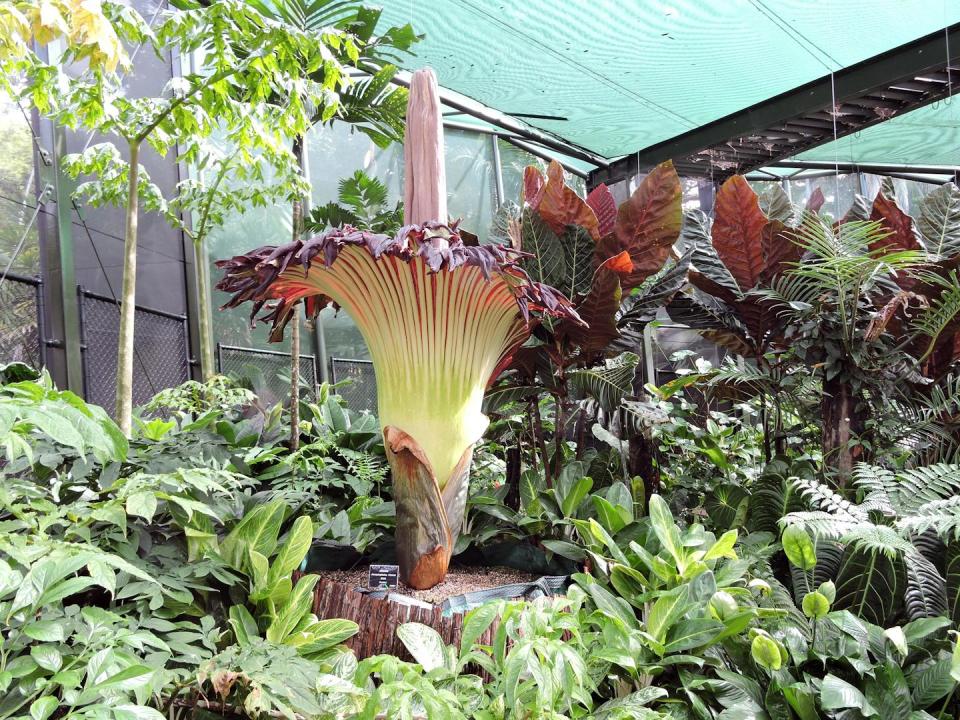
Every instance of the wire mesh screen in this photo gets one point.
(161, 356)
(360, 389)
(267, 372)
(20, 321)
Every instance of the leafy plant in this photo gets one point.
(883, 553)
(361, 203)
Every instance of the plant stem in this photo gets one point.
(207, 363)
(297, 222)
(540, 440)
(124, 406)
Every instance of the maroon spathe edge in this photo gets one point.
(250, 277)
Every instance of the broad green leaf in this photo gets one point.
(243, 624)
(292, 613)
(258, 530)
(325, 634)
(837, 694)
(47, 656)
(723, 548)
(45, 631)
(42, 708)
(693, 633)
(666, 610)
(799, 548)
(424, 643)
(142, 504)
(294, 550)
(475, 623)
(666, 529)
(565, 549)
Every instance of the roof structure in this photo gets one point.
(613, 80)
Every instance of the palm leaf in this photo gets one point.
(608, 384)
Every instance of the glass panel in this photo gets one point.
(17, 191)
(513, 161)
(471, 186)
(909, 192)
(336, 152)
(838, 192)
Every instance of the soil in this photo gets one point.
(459, 580)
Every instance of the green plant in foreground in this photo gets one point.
(440, 319)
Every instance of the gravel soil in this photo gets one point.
(459, 580)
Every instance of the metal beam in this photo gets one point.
(501, 120)
(889, 72)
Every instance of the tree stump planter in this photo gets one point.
(378, 619)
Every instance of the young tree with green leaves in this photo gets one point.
(244, 61)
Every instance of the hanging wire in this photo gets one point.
(41, 201)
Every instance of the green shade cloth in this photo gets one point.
(926, 136)
(616, 76)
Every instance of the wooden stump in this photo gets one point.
(379, 619)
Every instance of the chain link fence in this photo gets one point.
(267, 372)
(21, 321)
(161, 350)
(359, 388)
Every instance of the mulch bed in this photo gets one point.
(459, 581)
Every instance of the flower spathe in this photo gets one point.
(440, 317)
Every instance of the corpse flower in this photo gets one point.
(441, 319)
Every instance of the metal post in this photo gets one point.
(72, 339)
(497, 168)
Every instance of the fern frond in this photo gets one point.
(923, 485)
(824, 498)
(941, 516)
(823, 525)
(877, 539)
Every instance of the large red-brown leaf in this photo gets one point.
(780, 248)
(561, 206)
(648, 224)
(760, 317)
(533, 183)
(816, 201)
(604, 207)
(896, 222)
(738, 231)
(598, 308)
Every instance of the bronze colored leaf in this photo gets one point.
(780, 250)
(604, 207)
(882, 318)
(816, 201)
(598, 308)
(738, 231)
(648, 224)
(560, 206)
(532, 186)
(897, 223)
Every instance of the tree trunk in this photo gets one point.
(641, 463)
(208, 367)
(842, 424)
(297, 222)
(128, 308)
(514, 471)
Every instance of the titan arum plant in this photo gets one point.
(441, 318)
